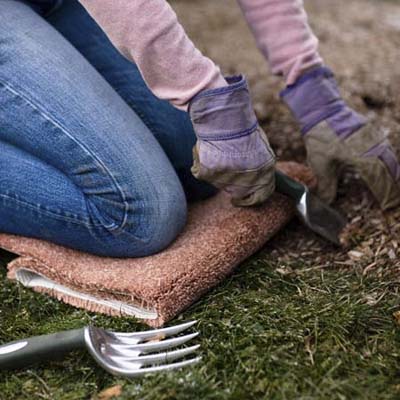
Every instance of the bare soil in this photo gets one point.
(360, 41)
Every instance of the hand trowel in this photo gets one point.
(315, 214)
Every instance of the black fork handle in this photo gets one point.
(22, 353)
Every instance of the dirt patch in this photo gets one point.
(360, 41)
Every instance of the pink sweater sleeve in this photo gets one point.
(148, 33)
(283, 35)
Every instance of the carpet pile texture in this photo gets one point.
(155, 289)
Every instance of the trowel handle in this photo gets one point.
(288, 186)
(22, 353)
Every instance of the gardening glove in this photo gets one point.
(336, 136)
(232, 151)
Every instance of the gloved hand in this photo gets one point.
(336, 136)
(232, 151)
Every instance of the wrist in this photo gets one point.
(225, 112)
(315, 97)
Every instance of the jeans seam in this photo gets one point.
(76, 221)
(63, 218)
(41, 210)
(58, 125)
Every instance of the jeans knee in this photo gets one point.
(167, 220)
(151, 225)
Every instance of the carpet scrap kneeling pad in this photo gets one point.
(217, 238)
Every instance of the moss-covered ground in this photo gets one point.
(265, 333)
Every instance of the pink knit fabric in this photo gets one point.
(148, 33)
(283, 35)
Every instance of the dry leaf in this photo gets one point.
(109, 393)
(392, 254)
(354, 254)
(157, 338)
(396, 316)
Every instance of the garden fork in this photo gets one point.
(126, 354)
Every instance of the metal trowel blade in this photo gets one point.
(320, 218)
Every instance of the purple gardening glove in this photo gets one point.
(336, 136)
(232, 151)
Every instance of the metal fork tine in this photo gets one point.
(170, 331)
(130, 356)
(135, 349)
(132, 362)
(157, 368)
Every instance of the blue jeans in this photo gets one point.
(89, 158)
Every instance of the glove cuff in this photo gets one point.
(315, 97)
(224, 113)
(385, 153)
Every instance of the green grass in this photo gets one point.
(312, 334)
